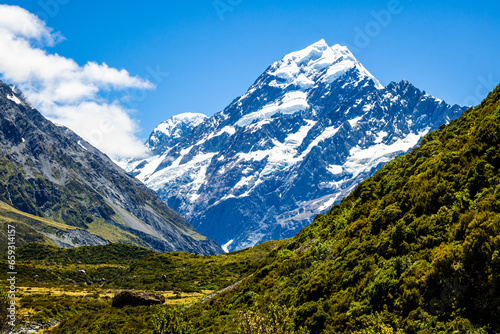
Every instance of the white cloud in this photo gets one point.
(22, 23)
(64, 91)
(100, 123)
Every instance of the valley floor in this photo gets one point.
(67, 290)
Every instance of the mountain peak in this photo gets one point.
(321, 42)
(317, 62)
(172, 123)
(319, 45)
(312, 126)
(189, 116)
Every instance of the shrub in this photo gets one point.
(171, 321)
(273, 319)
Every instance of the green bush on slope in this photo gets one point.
(171, 321)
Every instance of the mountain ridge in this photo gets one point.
(49, 171)
(250, 173)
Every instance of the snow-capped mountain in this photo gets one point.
(311, 127)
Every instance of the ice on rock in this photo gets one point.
(168, 127)
(292, 102)
(14, 99)
(380, 137)
(335, 169)
(354, 121)
(226, 245)
(79, 143)
(362, 160)
(304, 82)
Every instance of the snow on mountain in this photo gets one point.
(306, 67)
(311, 127)
(169, 132)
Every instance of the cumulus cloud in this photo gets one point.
(64, 91)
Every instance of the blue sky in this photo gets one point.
(214, 50)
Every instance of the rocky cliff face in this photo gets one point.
(48, 171)
(311, 127)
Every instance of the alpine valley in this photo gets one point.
(60, 190)
(414, 249)
(313, 126)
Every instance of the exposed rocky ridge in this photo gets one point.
(49, 171)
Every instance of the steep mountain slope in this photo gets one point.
(311, 127)
(48, 171)
(413, 249)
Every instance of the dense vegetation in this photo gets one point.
(4, 304)
(108, 254)
(120, 266)
(413, 249)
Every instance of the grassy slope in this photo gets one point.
(413, 249)
(27, 227)
(31, 228)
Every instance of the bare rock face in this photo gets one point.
(137, 298)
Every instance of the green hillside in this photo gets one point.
(32, 228)
(413, 249)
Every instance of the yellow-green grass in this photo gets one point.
(37, 303)
(171, 297)
(39, 223)
(113, 234)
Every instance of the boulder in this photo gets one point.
(136, 298)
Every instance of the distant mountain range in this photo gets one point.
(82, 197)
(313, 125)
